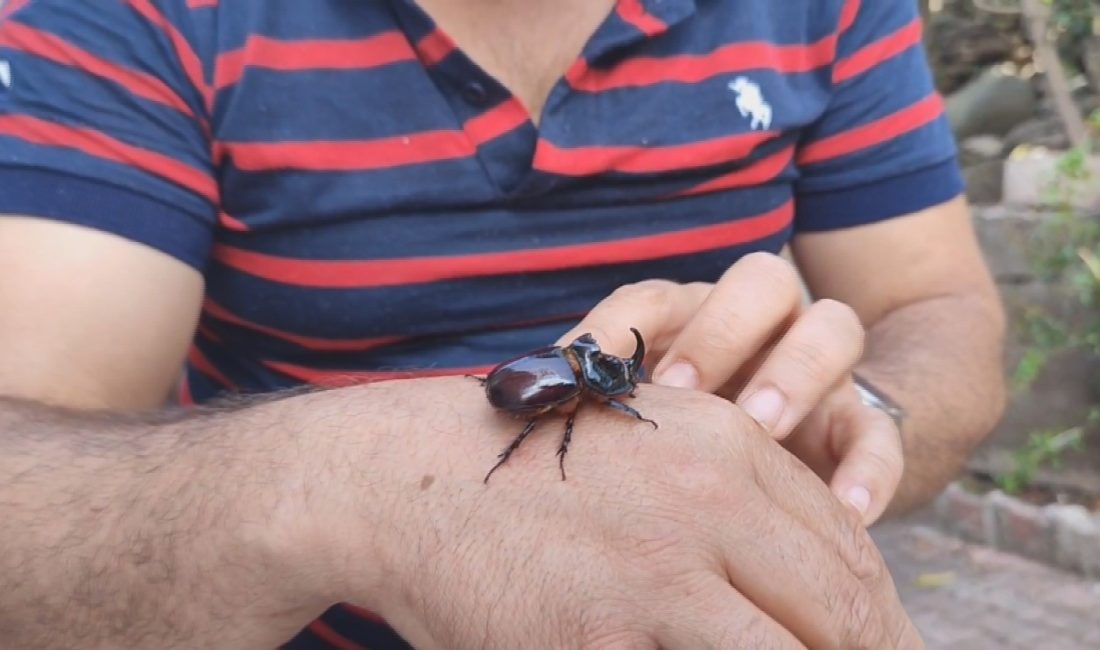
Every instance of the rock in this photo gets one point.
(1076, 539)
(1038, 132)
(1021, 528)
(1006, 236)
(984, 182)
(960, 44)
(983, 147)
(992, 104)
(1028, 177)
(966, 514)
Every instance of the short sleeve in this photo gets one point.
(103, 123)
(883, 147)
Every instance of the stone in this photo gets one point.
(1045, 132)
(1029, 176)
(982, 147)
(984, 182)
(965, 514)
(992, 104)
(1076, 534)
(1004, 235)
(1021, 528)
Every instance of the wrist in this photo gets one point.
(354, 506)
(423, 446)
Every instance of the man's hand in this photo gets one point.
(236, 528)
(749, 338)
(704, 534)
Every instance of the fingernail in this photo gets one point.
(859, 498)
(679, 375)
(765, 406)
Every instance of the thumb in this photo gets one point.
(868, 444)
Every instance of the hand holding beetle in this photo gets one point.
(686, 537)
(749, 339)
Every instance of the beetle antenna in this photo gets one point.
(639, 352)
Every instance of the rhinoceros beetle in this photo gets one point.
(557, 378)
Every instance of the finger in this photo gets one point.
(656, 308)
(756, 298)
(841, 535)
(720, 619)
(818, 351)
(788, 571)
(868, 445)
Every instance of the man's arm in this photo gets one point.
(935, 331)
(234, 528)
(120, 529)
(130, 532)
(89, 319)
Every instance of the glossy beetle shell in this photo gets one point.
(555, 378)
(538, 381)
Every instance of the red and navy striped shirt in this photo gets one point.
(365, 201)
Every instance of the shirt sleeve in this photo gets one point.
(883, 146)
(103, 123)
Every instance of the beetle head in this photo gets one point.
(607, 374)
(585, 346)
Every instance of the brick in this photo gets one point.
(1021, 528)
(1076, 537)
(965, 514)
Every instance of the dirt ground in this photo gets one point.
(966, 597)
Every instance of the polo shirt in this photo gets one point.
(365, 202)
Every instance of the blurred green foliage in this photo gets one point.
(1066, 254)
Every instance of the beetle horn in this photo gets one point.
(639, 352)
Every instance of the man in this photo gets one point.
(336, 193)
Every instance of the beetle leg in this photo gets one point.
(619, 406)
(507, 453)
(480, 380)
(565, 443)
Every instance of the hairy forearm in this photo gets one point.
(941, 360)
(119, 532)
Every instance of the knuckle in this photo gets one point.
(754, 634)
(861, 556)
(842, 312)
(842, 319)
(720, 330)
(705, 485)
(697, 470)
(811, 361)
(887, 464)
(603, 337)
(724, 415)
(604, 628)
(648, 293)
(773, 269)
(771, 264)
(695, 475)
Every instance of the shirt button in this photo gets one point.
(475, 93)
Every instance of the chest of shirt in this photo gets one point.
(359, 151)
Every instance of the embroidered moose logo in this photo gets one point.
(750, 102)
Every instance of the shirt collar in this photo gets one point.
(635, 21)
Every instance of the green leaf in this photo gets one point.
(1029, 368)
